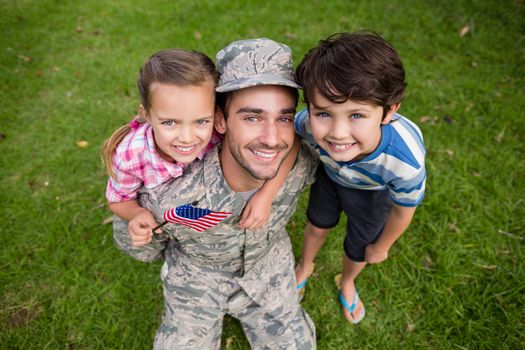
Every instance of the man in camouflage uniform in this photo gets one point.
(248, 274)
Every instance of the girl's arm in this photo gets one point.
(398, 221)
(257, 211)
(141, 221)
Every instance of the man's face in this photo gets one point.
(259, 131)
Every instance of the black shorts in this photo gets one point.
(366, 211)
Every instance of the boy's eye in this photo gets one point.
(356, 116)
(322, 115)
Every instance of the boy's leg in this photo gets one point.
(323, 213)
(351, 270)
(367, 212)
(314, 238)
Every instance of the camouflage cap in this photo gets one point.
(247, 63)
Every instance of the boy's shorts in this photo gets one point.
(366, 211)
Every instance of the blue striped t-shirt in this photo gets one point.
(398, 163)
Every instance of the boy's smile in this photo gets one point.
(347, 131)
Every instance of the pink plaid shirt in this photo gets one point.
(136, 163)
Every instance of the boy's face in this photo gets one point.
(347, 131)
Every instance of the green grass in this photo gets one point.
(455, 279)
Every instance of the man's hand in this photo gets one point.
(140, 228)
(374, 255)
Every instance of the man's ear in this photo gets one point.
(219, 122)
(391, 112)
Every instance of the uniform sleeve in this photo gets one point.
(303, 173)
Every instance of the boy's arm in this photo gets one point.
(257, 211)
(397, 222)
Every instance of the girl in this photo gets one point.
(174, 127)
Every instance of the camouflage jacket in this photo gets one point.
(225, 246)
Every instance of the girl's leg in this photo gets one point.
(351, 269)
(314, 238)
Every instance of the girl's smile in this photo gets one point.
(182, 119)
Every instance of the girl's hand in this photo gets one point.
(256, 213)
(374, 255)
(140, 228)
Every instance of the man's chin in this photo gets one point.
(263, 175)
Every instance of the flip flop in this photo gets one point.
(351, 308)
(300, 286)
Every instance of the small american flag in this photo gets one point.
(198, 219)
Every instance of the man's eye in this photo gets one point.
(286, 119)
(250, 118)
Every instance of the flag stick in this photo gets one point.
(159, 226)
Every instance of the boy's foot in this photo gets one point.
(302, 273)
(353, 308)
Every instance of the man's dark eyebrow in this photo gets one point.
(260, 110)
(250, 110)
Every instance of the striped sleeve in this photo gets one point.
(409, 175)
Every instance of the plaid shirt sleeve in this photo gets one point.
(125, 184)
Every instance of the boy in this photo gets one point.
(373, 158)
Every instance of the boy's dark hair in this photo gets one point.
(360, 66)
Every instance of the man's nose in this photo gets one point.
(271, 134)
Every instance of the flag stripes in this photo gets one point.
(198, 219)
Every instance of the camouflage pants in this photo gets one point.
(197, 298)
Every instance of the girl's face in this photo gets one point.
(182, 119)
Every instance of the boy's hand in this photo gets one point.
(139, 228)
(256, 213)
(374, 255)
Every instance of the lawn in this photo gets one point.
(454, 280)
